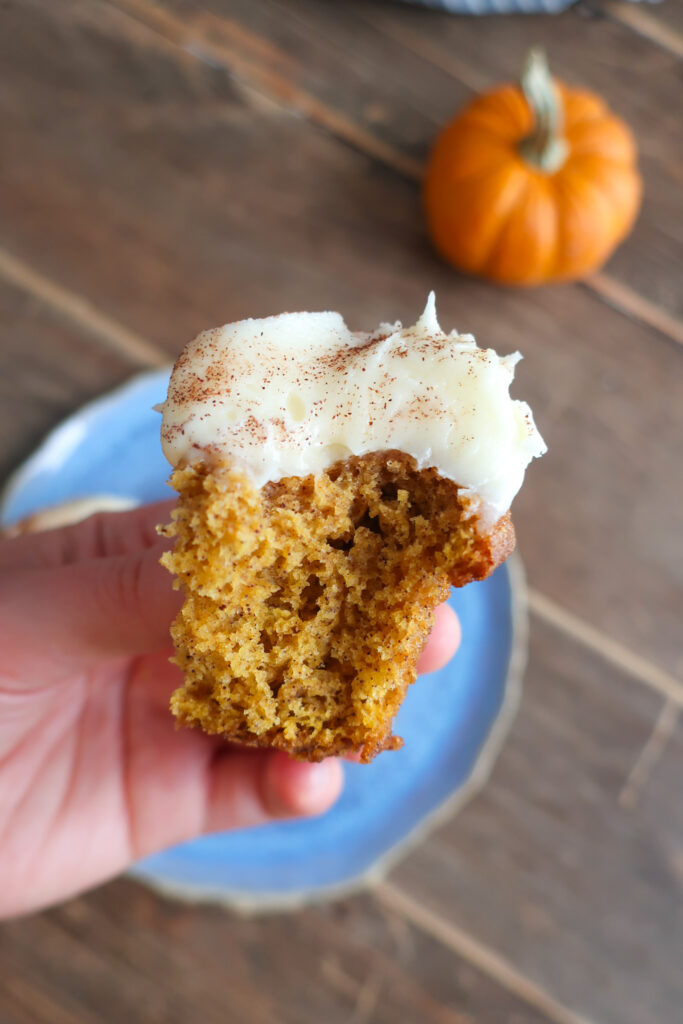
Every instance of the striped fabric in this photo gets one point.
(502, 6)
(496, 6)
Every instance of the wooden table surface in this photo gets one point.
(166, 167)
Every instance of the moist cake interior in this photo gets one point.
(309, 600)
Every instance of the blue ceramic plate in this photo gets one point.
(452, 721)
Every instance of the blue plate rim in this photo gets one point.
(56, 444)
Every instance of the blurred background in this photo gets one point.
(170, 166)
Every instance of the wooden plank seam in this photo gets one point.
(645, 24)
(480, 956)
(651, 753)
(113, 334)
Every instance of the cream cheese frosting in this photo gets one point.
(289, 395)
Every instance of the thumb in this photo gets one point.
(95, 609)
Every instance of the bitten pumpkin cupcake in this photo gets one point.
(332, 487)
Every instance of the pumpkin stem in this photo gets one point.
(545, 148)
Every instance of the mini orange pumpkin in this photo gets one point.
(532, 183)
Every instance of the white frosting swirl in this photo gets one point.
(291, 394)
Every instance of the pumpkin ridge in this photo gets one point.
(610, 138)
(599, 187)
(505, 239)
(503, 214)
(589, 183)
(504, 219)
(579, 159)
(490, 111)
(590, 154)
(578, 122)
(571, 97)
(570, 185)
(555, 271)
(459, 138)
(479, 173)
(466, 211)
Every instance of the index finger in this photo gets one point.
(99, 536)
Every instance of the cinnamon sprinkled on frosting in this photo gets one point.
(291, 394)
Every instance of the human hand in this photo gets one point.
(93, 773)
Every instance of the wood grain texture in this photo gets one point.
(549, 868)
(431, 64)
(48, 367)
(174, 201)
(122, 954)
